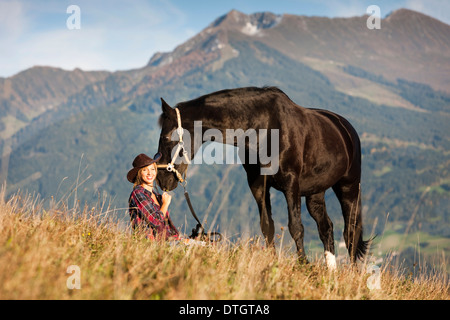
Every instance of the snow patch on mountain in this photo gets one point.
(259, 22)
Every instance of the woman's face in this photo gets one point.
(148, 174)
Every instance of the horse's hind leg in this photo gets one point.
(317, 209)
(348, 194)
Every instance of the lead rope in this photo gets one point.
(199, 230)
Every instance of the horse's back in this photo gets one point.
(341, 123)
(349, 135)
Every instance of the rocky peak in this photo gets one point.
(249, 24)
(214, 37)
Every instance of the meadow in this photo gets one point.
(81, 253)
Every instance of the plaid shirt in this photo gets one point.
(146, 214)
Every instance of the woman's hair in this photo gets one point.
(138, 180)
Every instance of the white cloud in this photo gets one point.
(66, 49)
(12, 25)
(12, 19)
(115, 35)
(346, 9)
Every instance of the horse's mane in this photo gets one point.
(227, 93)
(232, 93)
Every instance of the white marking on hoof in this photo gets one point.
(331, 260)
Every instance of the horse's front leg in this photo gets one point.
(296, 229)
(260, 188)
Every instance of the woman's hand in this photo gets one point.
(166, 198)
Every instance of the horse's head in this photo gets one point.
(169, 147)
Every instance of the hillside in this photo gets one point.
(28, 94)
(409, 45)
(81, 149)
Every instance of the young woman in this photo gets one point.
(149, 211)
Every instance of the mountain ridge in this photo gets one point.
(303, 40)
(319, 32)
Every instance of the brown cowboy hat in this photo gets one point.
(139, 162)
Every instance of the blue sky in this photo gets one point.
(120, 35)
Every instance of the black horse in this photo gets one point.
(317, 149)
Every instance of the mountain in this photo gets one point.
(409, 45)
(30, 93)
(391, 83)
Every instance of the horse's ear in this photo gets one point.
(166, 109)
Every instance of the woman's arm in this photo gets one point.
(166, 199)
(145, 206)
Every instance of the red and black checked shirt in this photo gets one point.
(146, 214)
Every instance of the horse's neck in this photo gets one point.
(205, 122)
(221, 117)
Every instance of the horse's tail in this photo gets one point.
(349, 196)
(362, 246)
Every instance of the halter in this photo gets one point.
(199, 231)
(180, 147)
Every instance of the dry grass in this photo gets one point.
(37, 247)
